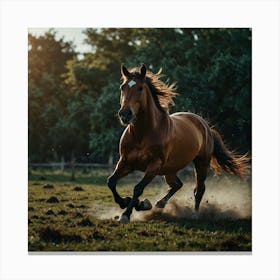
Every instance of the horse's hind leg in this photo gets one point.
(175, 184)
(201, 167)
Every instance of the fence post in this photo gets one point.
(72, 164)
(62, 164)
(110, 159)
(29, 167)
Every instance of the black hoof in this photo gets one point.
(160, 204)
(144, 205)
(124, 219)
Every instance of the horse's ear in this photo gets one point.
(143, 71)
(124, 71)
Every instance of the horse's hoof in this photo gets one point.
(124, 219)
(144, 205)
(160, 204)
(147, 205)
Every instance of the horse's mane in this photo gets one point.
(162, 92)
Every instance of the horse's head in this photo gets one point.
(133, 94)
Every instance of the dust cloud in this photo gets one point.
(224, 198)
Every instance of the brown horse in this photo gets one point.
(161, 144)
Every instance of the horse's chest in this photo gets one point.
(139, 157)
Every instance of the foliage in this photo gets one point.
(106, 129)
(73, 101)
(47, 97)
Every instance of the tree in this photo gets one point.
(212, 68)
(47, 100)
(73, 102)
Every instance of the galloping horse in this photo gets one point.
(161, 144)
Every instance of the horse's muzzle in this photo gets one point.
(126, 115)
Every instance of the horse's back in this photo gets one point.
(189, 123)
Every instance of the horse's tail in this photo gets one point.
(227, 160)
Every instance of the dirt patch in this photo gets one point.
(81, 206)
(48, 186)
(50, 212)
(86, 222)
(78, 215)
(57, 235)
(98, 236)
(62, 212)
(52, 199)
(78, 189)
(70, 205)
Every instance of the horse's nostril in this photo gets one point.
(120, 113)
(127, 113)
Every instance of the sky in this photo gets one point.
(70, 34)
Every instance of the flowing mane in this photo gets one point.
(162, 92)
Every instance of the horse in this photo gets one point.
(158, 143)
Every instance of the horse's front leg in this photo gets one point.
(121, 170)
(150, 173)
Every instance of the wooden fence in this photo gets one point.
(63, 165)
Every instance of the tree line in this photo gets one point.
(73, 98)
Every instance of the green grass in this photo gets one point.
(68, 222)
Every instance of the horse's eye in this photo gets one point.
(140, 88)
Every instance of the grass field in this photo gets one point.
(82, 215)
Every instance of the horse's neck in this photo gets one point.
(151, 120)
